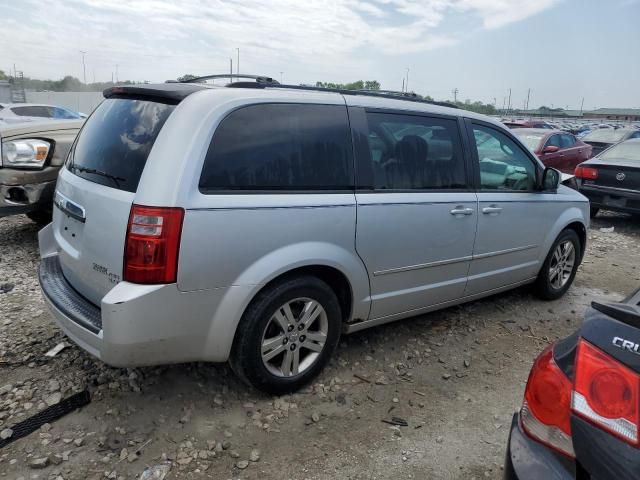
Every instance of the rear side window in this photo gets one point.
(280, 147)
(411, 152)
(568, 141)
(114, 143)
(33, 111)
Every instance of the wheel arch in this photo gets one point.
(342, 270)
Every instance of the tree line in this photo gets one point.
(72, 84)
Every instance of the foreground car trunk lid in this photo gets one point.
(620, 174)
(90, 224)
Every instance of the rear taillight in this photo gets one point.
(606, 392)
(546, 410)
(152, 244)
(586, 173)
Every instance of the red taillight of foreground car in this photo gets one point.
(586, 173)
(606, 392)
(546, 410)
(152, 244)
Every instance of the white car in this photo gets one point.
(29, 112)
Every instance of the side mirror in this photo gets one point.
(550, 179)
(550, 149)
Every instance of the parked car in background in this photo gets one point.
(602, 138)
(29, 112)
(611, 180)
(240, 242)
(555, 148)
(580, 418)
(513, 124)
(31, 155)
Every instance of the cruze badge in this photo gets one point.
(626, 345)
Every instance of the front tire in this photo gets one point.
(287, 335)
(560, 266)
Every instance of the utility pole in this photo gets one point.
(581, 106)
(528, 95)
(230, 70)
(84, 70)
(116, 73)
(509, 104)
(504, 104)
(406, 85)
(402, 85)
(455, 95)
(238, 62)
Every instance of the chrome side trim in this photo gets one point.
(422, 265)
(504, 252)
(355, 327)
(69, 207)
(452, 260)
(288, 207)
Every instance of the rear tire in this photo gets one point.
(593, 211)
(41, 217)
(287, 335)
(560, 267)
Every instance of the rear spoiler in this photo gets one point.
(627, 311)
(172, 93)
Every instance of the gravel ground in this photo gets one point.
(455, 376)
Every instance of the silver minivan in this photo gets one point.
(255, 223)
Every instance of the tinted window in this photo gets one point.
(503, 164)
(280, 147)
(33, 111)
(567, 141)
(114, 144)
(413, 152)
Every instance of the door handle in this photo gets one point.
(460, 210)
(492, 210)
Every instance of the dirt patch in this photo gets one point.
(455, 376)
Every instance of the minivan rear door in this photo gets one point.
(417, 216)
(96, 189)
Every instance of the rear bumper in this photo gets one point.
(612, 198)
(527, 459)
(135, 325)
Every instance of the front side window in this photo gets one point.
(554, 141)
(410, 152)
(503, 164)
(280, 147)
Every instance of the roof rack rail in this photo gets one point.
(410, 97)
(260, 79)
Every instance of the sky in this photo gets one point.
(562, 50)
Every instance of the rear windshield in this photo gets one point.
(605, 135)
(114, 143)
(625, 152)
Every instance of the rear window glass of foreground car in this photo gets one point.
(624, 152)
(294, 147)
(114, 143)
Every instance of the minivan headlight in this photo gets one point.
(24, 153)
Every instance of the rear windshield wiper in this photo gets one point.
(115, 179)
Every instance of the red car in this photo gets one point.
(555, 148)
